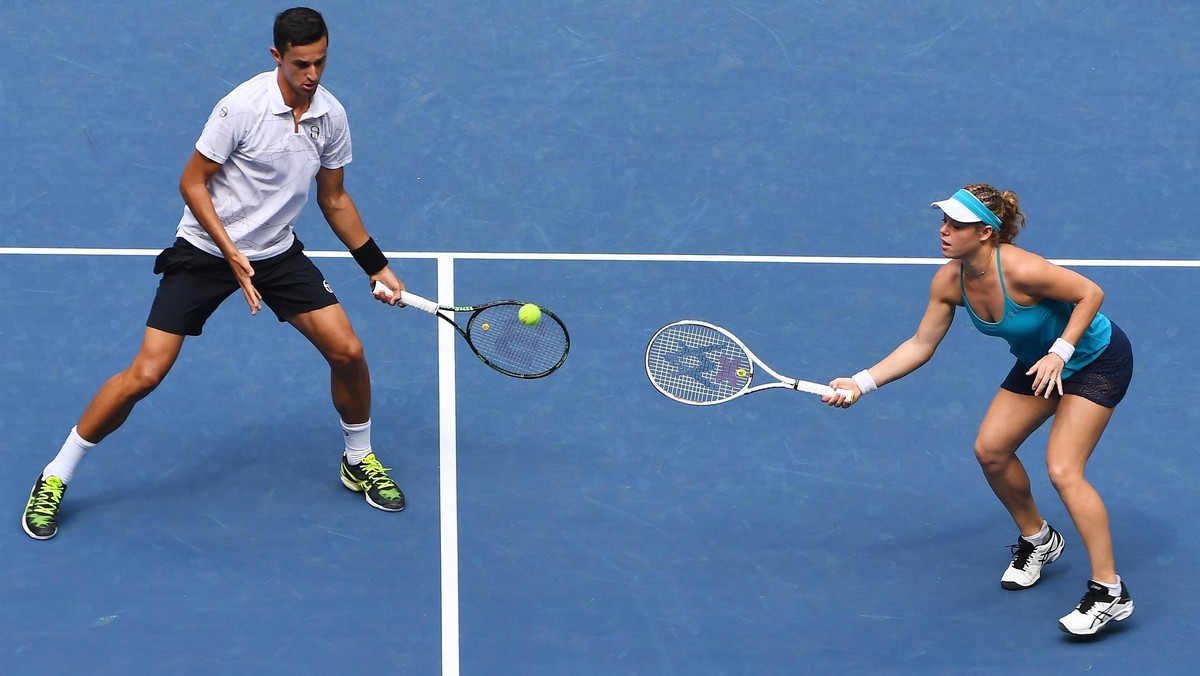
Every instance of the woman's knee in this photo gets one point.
(1064, 475)
(992, 456)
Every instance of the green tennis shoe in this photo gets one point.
(41, 514)
(370, 478)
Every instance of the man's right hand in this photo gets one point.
(244, 271)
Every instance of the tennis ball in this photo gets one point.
(529, 314)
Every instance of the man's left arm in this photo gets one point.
(343, 217)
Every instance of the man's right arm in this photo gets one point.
(193, 185)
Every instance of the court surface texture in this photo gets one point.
(763, 165)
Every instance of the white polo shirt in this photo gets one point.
(267, 164)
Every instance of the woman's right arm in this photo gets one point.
(915, 352)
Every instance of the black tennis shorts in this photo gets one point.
(194, 283)
(1104, 381)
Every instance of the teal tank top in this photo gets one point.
(1031, 330)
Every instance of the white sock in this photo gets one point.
(358, 441)
(1113, 589)
(1042, 535)
(72, 451)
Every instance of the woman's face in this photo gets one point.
(959, 239)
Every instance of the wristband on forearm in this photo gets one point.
(865, 382)
(369, 257)
(1063, 349)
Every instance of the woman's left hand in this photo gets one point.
(1047, 376)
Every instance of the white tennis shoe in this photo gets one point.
(1028, 559)
(1096, 609)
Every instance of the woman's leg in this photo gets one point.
(1073, 436)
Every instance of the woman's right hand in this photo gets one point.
(837, 399)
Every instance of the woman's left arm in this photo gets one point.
(1039, 279)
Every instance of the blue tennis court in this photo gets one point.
(766, 166)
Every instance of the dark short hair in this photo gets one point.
(298, 26)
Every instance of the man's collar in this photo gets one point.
(319, 106)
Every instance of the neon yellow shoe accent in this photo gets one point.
(41, 512)
(370, 478)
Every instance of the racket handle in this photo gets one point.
(409, 298)
(818, 389)
(418, 302)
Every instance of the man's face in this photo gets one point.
(302, 66)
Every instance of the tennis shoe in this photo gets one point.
(370, 478)
(41, 513)
(1028, 559)
(1096, 609)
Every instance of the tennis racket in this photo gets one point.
(701, 364)
(499, 338)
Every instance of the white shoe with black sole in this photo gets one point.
(1028, 559)
(1097, 608)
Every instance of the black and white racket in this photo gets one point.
(701, 364)
(496, 334)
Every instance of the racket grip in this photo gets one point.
(409, 298)
(848, 394)
(418, 302)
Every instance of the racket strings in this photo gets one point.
(502, 340)
(696, 364)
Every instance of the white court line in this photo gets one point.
(635, 258)
(448, 473)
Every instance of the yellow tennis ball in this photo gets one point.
(529, 314)
(486, 326)
(742, 373)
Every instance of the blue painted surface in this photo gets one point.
(602, 528)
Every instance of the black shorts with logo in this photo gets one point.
(194, 283)
(1104, 381)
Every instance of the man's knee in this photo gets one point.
(346, 352)
(141, 379)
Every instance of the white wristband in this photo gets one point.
(865, 382)
(1063, 349)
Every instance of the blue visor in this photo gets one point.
(972, 203)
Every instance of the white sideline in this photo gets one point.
(632, 257)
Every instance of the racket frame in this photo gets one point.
(434, 308)
(782, 381)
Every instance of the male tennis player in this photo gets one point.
(243, 189)
(1073, 364)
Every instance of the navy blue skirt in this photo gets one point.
(1104, 381)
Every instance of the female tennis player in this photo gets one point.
(1073, 364)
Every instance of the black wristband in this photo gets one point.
(369, 257)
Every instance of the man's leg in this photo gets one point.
(106, 412)
(329, 330)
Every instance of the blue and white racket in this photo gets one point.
(701, 364)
